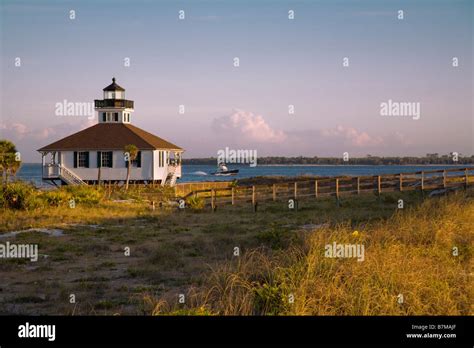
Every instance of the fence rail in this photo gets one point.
(422, 181)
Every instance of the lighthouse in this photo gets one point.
(114, 107)
(97, 153)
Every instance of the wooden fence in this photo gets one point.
(448, 179)
(183, 189)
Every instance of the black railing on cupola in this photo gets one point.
(113, 103)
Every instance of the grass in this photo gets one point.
(409, 255)
(191, 252)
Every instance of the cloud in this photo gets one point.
(18, 131)
(352, 136)
(244, 129)
(247, 126)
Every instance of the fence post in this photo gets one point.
(316, 188)
(337, 191)
(213, 200)
(466, 178)
(358, 185)
(296, 190)
(422, 181)
(233, 196)
(379, 185)
(254, 199)
(274, 193)
(444, 179)
(401, 182)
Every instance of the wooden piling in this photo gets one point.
(296, 190)
(466, 178)
(444, 179)
(274, 193)
(233, 196)
(358, 185)
(379, 185)
(213, 199)
(316, 188)
(254, 196)
(401, 183)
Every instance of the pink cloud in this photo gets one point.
(249, 127)
(18, 131)
(352, 136)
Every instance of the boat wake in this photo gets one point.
(199, 172)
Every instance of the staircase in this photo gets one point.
(171, 177)
(69, 177)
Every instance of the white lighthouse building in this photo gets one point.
(97, 153)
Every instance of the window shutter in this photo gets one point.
(87, 159)
(99, 159)
(111, 154)
(75, 159)
(139, 159)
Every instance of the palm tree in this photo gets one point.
(9, 160)
(130, 152)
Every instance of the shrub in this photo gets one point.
(269, 300)
(276, 238)
(84, 194)
(195, 203)
(18, 195)
(55, 198)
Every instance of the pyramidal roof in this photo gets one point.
(110, 136)
(113, 87)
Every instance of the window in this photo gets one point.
(104, 117)
(106, 159)
(83, 159)
(116, 116)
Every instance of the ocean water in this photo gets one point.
(31, 172)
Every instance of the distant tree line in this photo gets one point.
(368, 160)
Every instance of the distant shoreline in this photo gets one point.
(325, 165)
(358, 165)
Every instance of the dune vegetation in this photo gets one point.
(417, 260)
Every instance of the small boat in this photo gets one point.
(224, 171)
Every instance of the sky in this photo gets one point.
(282, 62)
